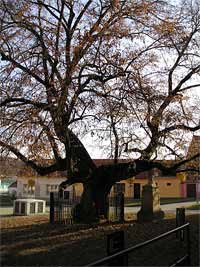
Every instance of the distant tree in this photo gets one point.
(63, 62)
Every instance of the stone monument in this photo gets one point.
(150, 209)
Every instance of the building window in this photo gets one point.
(30, 190)
(169, 184)
(119, 188)
(51, 188)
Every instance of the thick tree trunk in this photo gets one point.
(94, 203)
(97, 186)
(86, 211)
(101, 199)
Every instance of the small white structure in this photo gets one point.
(29, 206)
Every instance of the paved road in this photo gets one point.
(4, 211)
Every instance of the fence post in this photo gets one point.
(52, 203)
(116, 243)
(188, 246)
(122, 207)
(180, 220)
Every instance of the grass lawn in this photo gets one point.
(137, 202)
(32, 241)
(194, 207)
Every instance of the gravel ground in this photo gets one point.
(32, 241)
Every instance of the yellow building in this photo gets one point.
(169, 186)
(191, 186)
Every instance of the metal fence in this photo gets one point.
(116, 207)
(62, 208)
(122, 257)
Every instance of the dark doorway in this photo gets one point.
(191, 190)
(136, 190)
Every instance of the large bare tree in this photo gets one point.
(62, 62)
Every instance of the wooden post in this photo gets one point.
(52, 203)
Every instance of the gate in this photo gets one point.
(62, 208)
(116, 207)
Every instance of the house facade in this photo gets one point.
(185, 185)
(169, 186)
(30, 185)
(40, 187)
(191, 185)
(37, 187)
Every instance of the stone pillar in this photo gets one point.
(150, 209)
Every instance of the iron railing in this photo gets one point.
(61, 209)
(124, 253)
(116, 207)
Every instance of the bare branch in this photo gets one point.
(21, 67)
(24, 101)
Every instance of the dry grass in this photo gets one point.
(19, 221)
(32, 241)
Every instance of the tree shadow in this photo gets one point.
(57, 245)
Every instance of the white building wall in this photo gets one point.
(44, 182)
(20, 188)
(37, 188)
(41, 183)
